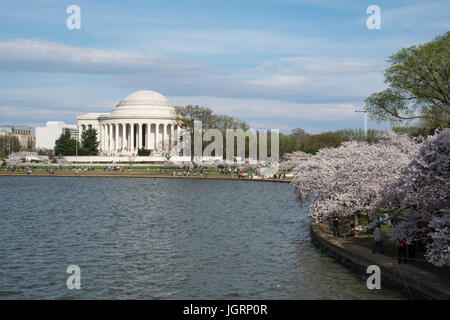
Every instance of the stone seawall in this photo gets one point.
(415, 282)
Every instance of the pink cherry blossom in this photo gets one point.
(350, 179)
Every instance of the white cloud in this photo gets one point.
(50, 56)
(37, 113)
(203, 42)
(280, 88)
(312, 76)
(433, 14)
(270, 108)
(282, 115)
(329, 65)
(278, 82)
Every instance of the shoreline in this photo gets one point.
(135, 175)
(413, 281)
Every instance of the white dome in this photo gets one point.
(144, 104)
(145, 97)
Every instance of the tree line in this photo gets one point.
(300, 140)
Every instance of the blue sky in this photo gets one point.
(275, 64)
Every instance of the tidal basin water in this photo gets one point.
(163, 239)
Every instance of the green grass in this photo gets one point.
(152, 170)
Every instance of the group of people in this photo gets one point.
(114, 168)
(277, 176)
(226, 171)
(336, 228)
(242, 174)
(402, 244)
(246, 175)
(84, 168)
(12, 168)
(189, 172)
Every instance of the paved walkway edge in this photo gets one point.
(420, 284)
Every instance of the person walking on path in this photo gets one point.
(401, 250)
(336, 222)
(411, 249)
(377, 239)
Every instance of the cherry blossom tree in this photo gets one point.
(166, 150)
(423, 198)
(291, 160)
(349, 180)
(254, 166)
(172, 164)
(410, 180)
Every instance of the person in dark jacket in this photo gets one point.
(401, 250)
(336, 222)
(411, 248)
(377, 239)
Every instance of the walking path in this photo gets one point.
(416, 282)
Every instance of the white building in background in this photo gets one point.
(143, 120)
(46, 136)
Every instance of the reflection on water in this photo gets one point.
(163, 239)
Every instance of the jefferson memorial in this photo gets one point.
(143, 120)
